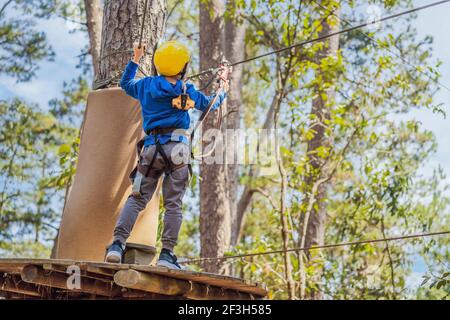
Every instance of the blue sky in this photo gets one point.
(435, 22)
(49, 81)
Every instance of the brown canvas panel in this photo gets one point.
(101, 184)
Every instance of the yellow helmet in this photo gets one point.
(171, 58)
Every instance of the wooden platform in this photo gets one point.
(57, 279)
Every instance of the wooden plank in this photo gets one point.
(201, 277)
(103, 271)
(124, 266)
(85, 271)
(152, 283)
(135, 279)
(12, 285)
(37, 275)
(139, 254)
(207, 278)
(17, 296)
(108, 269)
(11, 269)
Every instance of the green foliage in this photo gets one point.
(39, 149)
(371, 154)
(22, 47)
(26, 249)
(436, 286)
(29, 143)
(70, 107)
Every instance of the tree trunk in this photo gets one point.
(315, 219)
(214, 202)
(235, 51)
(94, 17)
(122, 22)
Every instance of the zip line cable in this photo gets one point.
(342, 244)
(215, 70)
(219, 117)
(308, 41)
(374, 41)
(303, 43)
(300, 44)
(326, 246)
(103, 83)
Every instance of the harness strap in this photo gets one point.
(160, 150)
(157, 131)
(151, 164)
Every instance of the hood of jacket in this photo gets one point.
(160, 88)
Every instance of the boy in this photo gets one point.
(162, 122)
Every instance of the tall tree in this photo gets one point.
(94, 18)
(122, 22)
(313, 223)
(214, 202)
(234, 51)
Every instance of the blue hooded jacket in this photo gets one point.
(155, 95)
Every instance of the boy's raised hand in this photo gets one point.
(224, 74)
(138, 52)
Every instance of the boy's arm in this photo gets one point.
(202, 101)
(128, 82)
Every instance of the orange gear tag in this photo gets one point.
(183, 102)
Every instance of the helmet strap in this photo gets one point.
(183, 72)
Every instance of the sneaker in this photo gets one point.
(114, 252)
(168, 259)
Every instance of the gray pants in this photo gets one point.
(173, 188)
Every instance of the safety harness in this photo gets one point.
(222, 77)
(182, 102)
(141, 171)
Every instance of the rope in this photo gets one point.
(303, 43)
(219, 117)
(143, 23)
(103, 83)
(326, 246)
(202, 118)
